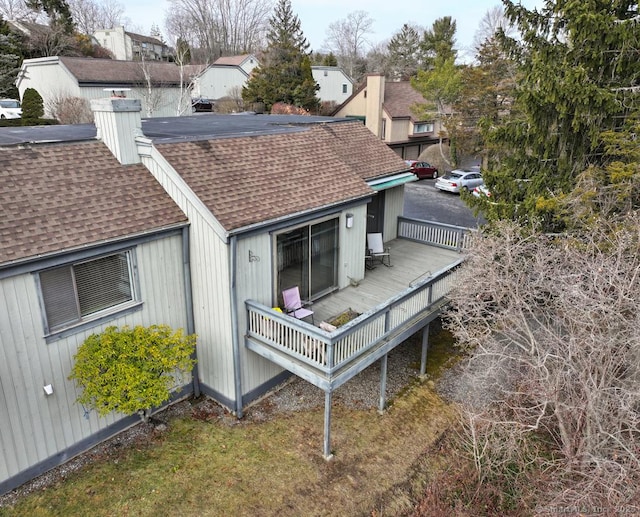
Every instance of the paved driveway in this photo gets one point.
(423, 201)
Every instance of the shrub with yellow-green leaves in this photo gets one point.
(131, 370)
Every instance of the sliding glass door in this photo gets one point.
(308, 258)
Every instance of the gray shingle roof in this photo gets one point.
(59, 197)
(249, 180)
(110, 71)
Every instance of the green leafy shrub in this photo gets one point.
(131, 370)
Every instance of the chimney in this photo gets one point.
(118, 123)
(373, 103)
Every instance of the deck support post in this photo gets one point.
(383, 383)
(425, 347)
(327, 425)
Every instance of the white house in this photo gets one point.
(202, 222)
(335, 85)
(161, 87)
(224, 78)
(129, 46)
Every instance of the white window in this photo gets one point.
(86, 290)
(423, 128)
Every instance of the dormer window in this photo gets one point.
(424, 127)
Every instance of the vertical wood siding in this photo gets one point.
(33, 426)
(210, 274)
(394, 207)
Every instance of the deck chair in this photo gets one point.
(293, 305)
(376, 249)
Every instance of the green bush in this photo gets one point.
(32, 105)
(131, 370)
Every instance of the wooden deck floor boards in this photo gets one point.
(410, 261)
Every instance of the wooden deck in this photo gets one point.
(411, 262)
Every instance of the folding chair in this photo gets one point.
(293, 305)
(376, 249)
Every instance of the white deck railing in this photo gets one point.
(330, 351)
(436, 234)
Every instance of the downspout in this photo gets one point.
(188, 295)
(234, 326)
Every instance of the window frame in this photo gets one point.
(423, 124)
(98, 317)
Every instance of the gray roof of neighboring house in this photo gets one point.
(232, 60)
(145, 39)
(88, 70)
(61, 197)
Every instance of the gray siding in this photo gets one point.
(33, 426)
(210, 274)
(394, 208)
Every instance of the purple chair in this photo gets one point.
(293, 306)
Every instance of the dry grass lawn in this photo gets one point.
(209, 463)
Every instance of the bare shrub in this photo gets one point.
(280, 108)
(70, 110)
(557, 316)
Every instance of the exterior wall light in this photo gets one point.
(349, 220)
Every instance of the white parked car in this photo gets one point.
(10, 108)
(460, 179)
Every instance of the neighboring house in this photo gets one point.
(227, 75)
(224, 78)
(271, 202)
(335, 85)
(386, 109)
(129, 46)
(161, 87)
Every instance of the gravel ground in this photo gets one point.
(362, 392)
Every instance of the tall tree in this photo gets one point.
(218, 27)
(10, 57)
(404, 52)
(438, 42)
(285, 74)
(92, 15)
(347, 39)
(578, 69)
(58, 12)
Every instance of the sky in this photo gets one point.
(388, 16)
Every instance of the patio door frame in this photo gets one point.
(316, 255)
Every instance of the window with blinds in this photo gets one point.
(71, 293)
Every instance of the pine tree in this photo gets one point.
(437, 43)
(10, 56)
(404, 50)
(285, 76)
(577, 68)
(58, 12)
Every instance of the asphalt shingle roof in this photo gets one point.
(110, 71)
(254, 179)
(59, 197)
(399, 97)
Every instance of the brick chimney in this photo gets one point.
(118, 122)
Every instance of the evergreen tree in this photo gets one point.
(10, 57)
(578, 66)
(437, 43)
(330, 60)
(404, 51)
(58, 12)
(32, 105)
(285, 75)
